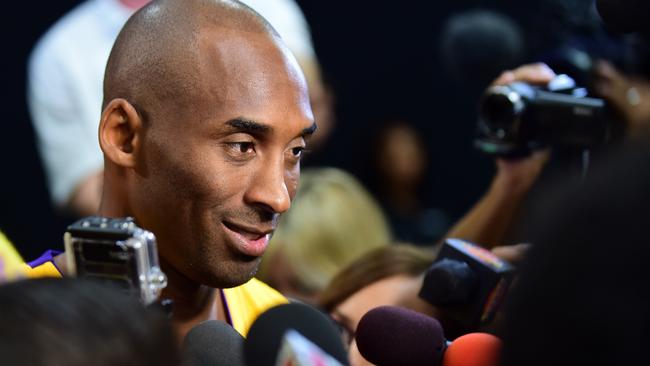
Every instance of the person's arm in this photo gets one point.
(489, 220)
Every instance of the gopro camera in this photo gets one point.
(116, 251)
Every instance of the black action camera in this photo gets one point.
(116, 251)
(518, 118)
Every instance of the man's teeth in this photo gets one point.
(249, 235)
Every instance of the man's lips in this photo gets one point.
(248, 240)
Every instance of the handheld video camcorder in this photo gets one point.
(518, 118)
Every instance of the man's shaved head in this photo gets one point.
(206, 114)
(155, 57)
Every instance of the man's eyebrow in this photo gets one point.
(306, 132)
(249, 126)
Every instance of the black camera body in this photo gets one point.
(518, 118)
(117, 252)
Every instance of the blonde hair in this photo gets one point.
(332, 222)
(396, 259)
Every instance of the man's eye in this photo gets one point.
(243, 147)
(298, 151)
(240, 150)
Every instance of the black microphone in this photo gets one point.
(625, 15)
(467, 283)
(213, 343)
(268, 334)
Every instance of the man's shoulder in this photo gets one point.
(43, 266)
(246, 302)
(256, 293)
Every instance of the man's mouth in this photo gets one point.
(249, 240)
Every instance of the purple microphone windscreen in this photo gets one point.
(389, 335)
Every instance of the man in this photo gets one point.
(206, 115)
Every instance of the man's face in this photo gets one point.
(217, 175)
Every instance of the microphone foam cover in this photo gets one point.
(265, 335)
(473, 349)
(213, 342)
(390, 335)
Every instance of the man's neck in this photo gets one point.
(193, 303)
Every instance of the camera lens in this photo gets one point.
(498, 111)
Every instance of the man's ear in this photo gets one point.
(120, 132)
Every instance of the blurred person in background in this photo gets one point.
(582, 296)
(477, 45)
(65, 76)
(332, 222)
(390, 275)
(73, 322)
(401, 160)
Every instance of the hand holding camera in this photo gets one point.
(531, 108)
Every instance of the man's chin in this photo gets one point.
(232, 274)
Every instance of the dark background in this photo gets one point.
(380, 57)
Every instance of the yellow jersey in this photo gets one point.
(243, 304)
(11, 264)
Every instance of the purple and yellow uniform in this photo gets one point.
(243, 304)
(11, 264)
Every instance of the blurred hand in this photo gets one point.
(629, 95)
(518, 175)
(538, 73)
(512, 253)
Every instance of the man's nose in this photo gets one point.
(268, 188)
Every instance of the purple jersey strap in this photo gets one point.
(48, 256)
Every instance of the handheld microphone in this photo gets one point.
(267, 336)
(473, 349)
(394, 336)
(213, 343)
(297, 350)
(467, 283)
